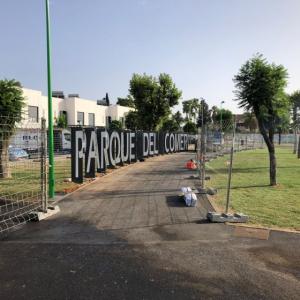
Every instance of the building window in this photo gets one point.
(33, 113)
(80, 118)
(91, 119)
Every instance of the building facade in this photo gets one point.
(77, 111)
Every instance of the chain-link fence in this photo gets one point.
(218, 147)
(218, 143)
(23, 171)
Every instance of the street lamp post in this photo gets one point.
(221, 112)
(50, 113)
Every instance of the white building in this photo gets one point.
(78, 111)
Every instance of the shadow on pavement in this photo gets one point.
(78, 261)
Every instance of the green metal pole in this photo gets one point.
(50, 113)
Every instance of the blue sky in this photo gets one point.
(97, 45)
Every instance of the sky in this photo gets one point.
(97, 45)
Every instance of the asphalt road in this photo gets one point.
(127, 236)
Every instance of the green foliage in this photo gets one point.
(128, 101)
(170, 125)
(260, 88)
(61, 121)
(205, 112)
(132, 120)
(214, 112)
(178, 118)
(11, 100)
(191, 108)
(295, 103)
(224, 114)
(115, 125)
(11, 105)
(190, 127)
(283, 123)
(250, 121)
(153, 98)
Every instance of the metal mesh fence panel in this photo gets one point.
(23, 171)
(249, 164)
(215, 156)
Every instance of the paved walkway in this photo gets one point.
(144, 194)
(139, 195)
(127, 236)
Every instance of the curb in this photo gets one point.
(270, 229)
(213, 205)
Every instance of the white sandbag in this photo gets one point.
(190, 199)
(186, 190)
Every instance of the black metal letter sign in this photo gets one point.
(96, 149)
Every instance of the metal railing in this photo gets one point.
(23, 172)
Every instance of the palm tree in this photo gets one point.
(295, 102)
(191, 108)
(178, 118)
(187, 109)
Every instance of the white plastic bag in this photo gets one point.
(190, 198)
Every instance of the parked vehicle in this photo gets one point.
(30, 140)
(62, 140)
(17, 154)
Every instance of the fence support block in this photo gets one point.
(222, 218)
(39, 215)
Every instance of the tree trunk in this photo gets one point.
(295, 142)
(269, 140)
(299, 147)
(272, 166)
(279, 137)
(4, 160)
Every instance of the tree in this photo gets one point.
(214, 112)
(190, 127)
(223, 114)
(115, 125)
(153, 98)
(170, 125)
(128, 101)
(260, 89)
(178, 118)
(131, 120)
(282, 124)
(205, 112)
(191, 108)
(295, 102)
(250, 121)
(11, 105)
(61, 121)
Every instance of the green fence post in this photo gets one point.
(50, 113)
